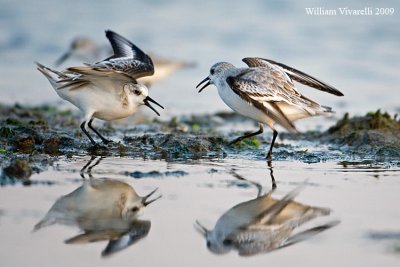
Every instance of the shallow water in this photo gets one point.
(363, 197)
(357, 54)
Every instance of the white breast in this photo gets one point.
(242, 107)
(104, 101)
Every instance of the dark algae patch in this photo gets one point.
(376, 133)
(155, 174)
(359, 130)
(18, 169)
(34, 137)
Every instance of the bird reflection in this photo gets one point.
(104, 209)
(271, 174)
(263, 224)
(85, 49)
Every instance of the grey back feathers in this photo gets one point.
(293, 73)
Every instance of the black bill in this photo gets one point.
(144, 199)
(204, 86)
(201, 229)
(149, 99)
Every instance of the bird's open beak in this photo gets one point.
(201, 229)
(207, 79)
(144, 199)
(63, 58)
(149, 99)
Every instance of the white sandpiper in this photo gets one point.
(106, 90)
(85, 49)
(266, 93)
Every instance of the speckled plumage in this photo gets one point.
(266, 93)
(263, 224)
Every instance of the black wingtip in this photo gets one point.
(118, 43)
(111, 35)
(108, 32)
(332, 90)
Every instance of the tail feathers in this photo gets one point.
(321, 111)
(321, 211)
(43, 223)
(49, 73)
(43, 70)
(294, 113)
(60, 80)
(327, 109)
(309, 233)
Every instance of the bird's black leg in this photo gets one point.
(87, 134)
(106, 141)
(238, 176)
(82, 172)
(271, 173)
(87, 168)
(269, 155)
(260, 131)
(94, 165)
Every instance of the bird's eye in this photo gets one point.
(134, 209)
(227, 242)
(212, 71)
(136, 92)
(208, 244)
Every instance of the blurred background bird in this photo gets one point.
(86, 50)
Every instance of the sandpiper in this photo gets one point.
(106, 90)
(265, 92)
(103, 209)
(98, 204)
(85, 49)
(263, 224)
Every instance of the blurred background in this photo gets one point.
(357, 54)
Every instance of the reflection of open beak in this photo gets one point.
(144, 199)
(146, 102)
(204, 86)
(63, 58)
(201, 229)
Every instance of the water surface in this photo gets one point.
(363, 197)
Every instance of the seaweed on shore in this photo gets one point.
(376, 132)
(46, 132)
